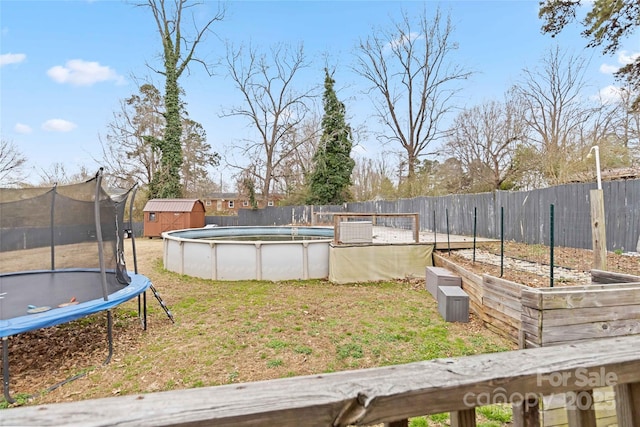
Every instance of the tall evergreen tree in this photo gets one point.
(331, 177)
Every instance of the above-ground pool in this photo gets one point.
(249, 253)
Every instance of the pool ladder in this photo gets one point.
(142, 306)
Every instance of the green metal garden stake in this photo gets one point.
(446, 213)
(501, 240)
(475, 217)
(551, 244)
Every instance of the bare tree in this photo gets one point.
(272, 107)
(555, 110)
(372, 179)
(301, 144)
(57, 174)
(628, 122)
(606, 25)
(484, 138)
(12, 163)
(127, 153)
(413, 80)
(198, 158)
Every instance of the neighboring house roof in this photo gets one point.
(225, 196)
(171, 205)
(231, 196)
(608, 174)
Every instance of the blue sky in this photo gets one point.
(66, 65)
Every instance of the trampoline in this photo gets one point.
(62, 258)
(57, 297)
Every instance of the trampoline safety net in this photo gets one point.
(77, 226)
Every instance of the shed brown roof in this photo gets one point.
(170, 205)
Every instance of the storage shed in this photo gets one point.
(162, 215)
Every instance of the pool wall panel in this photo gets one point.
(236, 262)
(197, 260)
(283, 261)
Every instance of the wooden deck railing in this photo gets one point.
(389, 395)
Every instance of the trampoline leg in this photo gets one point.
(5, 369)
(109, 337)
(144, 309)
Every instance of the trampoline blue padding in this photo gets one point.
(21, 291)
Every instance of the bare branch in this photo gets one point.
(408, 69)
(272, 106)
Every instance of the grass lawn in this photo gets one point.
(231, 332)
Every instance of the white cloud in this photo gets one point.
(608, 94)
(58, 125)
(83, 73)
(12, 58)
(625, 58)
(22, 128)
(608, 68)
(403, 39)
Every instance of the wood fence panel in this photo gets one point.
(575, 316)
(526, 214)
(502, 304)
(596, 298)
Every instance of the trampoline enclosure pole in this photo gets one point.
(53, 228)
(133, 236)
(103, 273)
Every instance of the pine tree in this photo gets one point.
(331, 177)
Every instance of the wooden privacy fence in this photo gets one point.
(526, 214)
(389, 395)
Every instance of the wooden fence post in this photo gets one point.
(463, 418)
(598, 230)
(526, 413)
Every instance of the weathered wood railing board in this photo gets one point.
(579, 298)
(556, 316)
(362, 397)
(501, 320)
(588, 331)
(504, 287)
(502, 306)
(531, 330)
(574, 316)
(503, 311)
(599, 276)
(592, 287)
